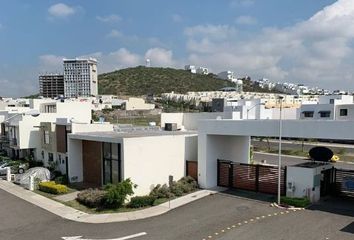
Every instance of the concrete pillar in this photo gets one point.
(31, 183)
(8, 174)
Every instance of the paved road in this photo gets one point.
(198, 220)
(22, 220)
(289, 160)
(333, 220)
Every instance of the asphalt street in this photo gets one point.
(214, 217)
(22, 220)
(289, 160)
(325, 221)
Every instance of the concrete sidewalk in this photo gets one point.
(69, 213)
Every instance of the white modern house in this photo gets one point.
(21, 131)
(329, 107)
(147, 157)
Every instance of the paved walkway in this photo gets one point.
(79, 216)
(67, 197)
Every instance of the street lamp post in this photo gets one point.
(248, 109)
(279, 153)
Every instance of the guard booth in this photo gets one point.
(311, 179)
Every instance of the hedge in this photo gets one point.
(141, 201)
(52, 187)
(295, 202)
(92, 198)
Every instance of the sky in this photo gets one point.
(303, 41)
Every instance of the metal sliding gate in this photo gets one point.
(344, 182)
(252, 177)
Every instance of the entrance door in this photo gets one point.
(326, 182)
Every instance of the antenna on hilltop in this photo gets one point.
(147, 62)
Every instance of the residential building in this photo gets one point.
(80, 78)
(147, 157)
(21, 131)
(330, 107)
(137, 104)
(51, 85)
(202, 70)
(226, 75)
(190, 68)
(53, 150)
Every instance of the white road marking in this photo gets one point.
(121, 238)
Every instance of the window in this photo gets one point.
(343, 112)
(308, 114)
(331, 101)
(111, 163)
(325, 114)
(46, 137)
(50, 157)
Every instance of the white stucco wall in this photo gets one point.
(95, 127)
(75, 160)
(149, 161)
(189, 121)
(214, 147)
(287, 113)
(79, 111)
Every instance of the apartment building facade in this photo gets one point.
(51, 85)
(80, 78)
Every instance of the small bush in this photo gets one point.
(92, 198)
(177, 189)
(296, 202)
(116, 194)
(161, 191)
(188, 183)
(141, 201)
(61, 179)
(52, 187)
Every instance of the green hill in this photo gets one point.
(142, 80)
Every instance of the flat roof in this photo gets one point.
(111, 135)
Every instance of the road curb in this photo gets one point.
(72, 214)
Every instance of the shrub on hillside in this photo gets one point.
(116, 194)
(92, 198)
(52, 187)
(141, 201)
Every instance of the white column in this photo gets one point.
(8, 174)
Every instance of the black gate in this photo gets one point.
(252, 177)
(344, 182)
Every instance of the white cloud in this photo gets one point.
(177, 18)
(50, 63)
(160, 57)
(246, 20)
(109, 18)
(318, 51)
(61, 10)
(114, 34)
(242, 3)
